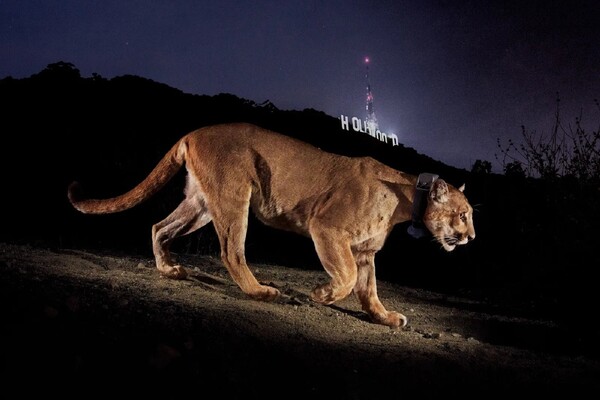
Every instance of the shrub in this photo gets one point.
(568, 151)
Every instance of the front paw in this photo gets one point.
(392, 319)
(265, 293)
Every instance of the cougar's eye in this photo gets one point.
(463, 216)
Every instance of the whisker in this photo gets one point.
(451, 240)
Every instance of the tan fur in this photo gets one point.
(347, 206)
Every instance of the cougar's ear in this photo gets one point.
(439, 191)
(462, 188)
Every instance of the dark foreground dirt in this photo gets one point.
(79, 324)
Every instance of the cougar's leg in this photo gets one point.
(231, 223)
(189, 216)
(366, 291)
(336, 257)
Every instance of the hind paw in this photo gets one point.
(174, 272)
(323, 295)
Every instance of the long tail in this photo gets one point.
(170, 164)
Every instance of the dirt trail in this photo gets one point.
(111, 322)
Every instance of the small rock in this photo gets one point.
(141, 265)
(472, 339)
(446, 346)
(456, 335)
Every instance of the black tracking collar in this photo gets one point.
(424, 182)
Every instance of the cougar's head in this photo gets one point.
(449, 216)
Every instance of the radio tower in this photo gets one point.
(371, 121)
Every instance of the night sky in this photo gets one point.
(448, 77)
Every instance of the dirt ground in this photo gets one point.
(76, 323)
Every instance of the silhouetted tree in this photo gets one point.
(97, 77)
(514, 169)
(481, 167)
(60, 71)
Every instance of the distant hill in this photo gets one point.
(61, 102)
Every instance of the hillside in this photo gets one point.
(79, 322)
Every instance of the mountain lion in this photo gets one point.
(347, 206)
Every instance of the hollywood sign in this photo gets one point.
(359, 125)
